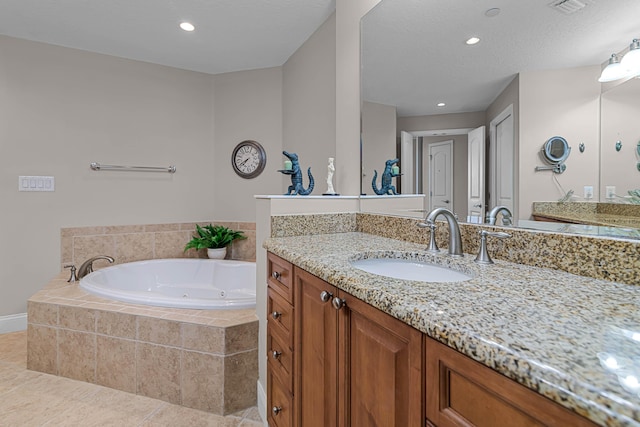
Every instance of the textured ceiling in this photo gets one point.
(231, 35)
(414, 54)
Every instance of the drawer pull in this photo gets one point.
(276, 410)
(276, 275)
(276, 315)
(325, 296)
(276, 354)
(338, 303)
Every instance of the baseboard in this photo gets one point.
(262, 404)
(13, 323)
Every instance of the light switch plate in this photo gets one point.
(610, 191)
(36, 183)
(588, 192)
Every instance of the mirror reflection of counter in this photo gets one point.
(596, 214)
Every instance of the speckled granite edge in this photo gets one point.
(298, 225)
(615, 214)
(537, 326)
(591, 256)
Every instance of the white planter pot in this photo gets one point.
(218, 253)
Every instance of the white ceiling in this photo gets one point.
(230, 35)
(414, 54)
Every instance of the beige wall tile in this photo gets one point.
(158, 331)
(151, 228)
(66, 250)
(133, 247)
(245, 249)
(77, 355)
(241, 338)
(202, 382)
(116, 363)
(123, 229)
(203, 338)
(85, 247)
(171, 244)
(81, 231)
(116, 324)
(158, 372)
(77, 318)
(240, 376)
(42, 344)
(42, 313)
(246, 226)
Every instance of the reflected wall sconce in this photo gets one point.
(618, 69)
(581, 147)
(618, 145)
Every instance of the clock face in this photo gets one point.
(248, 159)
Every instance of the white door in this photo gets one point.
(476, 180)
(441, 175)
(501, 170)
(407, 162)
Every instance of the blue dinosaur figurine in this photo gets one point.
(387, 175)
(296, 177)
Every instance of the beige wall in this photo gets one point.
(348, 15)
(247, 105)
(378, 140)
(558, 103)
(64, 108)
(309, 102)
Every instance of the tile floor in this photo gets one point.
(29, 398)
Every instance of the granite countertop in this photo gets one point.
(543, 328)
(594, 218)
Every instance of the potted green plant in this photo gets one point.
(214, 238)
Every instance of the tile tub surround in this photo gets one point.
(128, 243)
(541, 327)
(591, 256)
(201, 359)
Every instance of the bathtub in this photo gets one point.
(180, 283)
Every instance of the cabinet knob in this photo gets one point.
(276, 315)
(325, 296)
(276, 275)
(276, 410)
(275, 354)
(338, 303)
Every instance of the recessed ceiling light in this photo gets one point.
(441, 104)
(490, 13)
(472, 40)
(187, 26)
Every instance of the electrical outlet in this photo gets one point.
(588, 192)
(610, 191)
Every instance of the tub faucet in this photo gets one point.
(506, 215)
(87, 266)
(455, 241)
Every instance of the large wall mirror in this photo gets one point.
(472, 118)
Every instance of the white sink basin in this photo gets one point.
(409, 270)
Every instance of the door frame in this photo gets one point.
(448, 143)
(493, 160)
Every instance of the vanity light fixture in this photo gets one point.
(613, 70)
(187, 26)
(631, 60)
(472, 40)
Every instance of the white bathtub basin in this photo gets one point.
(410, 270)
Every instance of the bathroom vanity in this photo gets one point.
(513, 345)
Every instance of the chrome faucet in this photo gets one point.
(455, 241)
(506, 215)
(87, 266)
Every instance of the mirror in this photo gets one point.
(414, 56)
(555, 150)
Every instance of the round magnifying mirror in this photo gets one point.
(555, 150)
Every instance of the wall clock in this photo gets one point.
(248, 159)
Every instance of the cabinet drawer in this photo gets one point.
(279, 402)
(280, 358)
(279, 276)
(280, 315)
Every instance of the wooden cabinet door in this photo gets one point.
(381, 377)
(315, 350)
